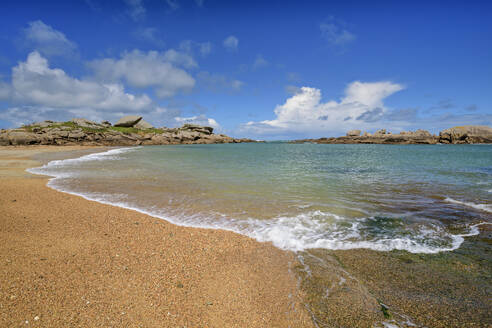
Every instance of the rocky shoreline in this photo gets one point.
(129, 130)
(468, 134)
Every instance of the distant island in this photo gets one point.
(129, 130)
(468, 134)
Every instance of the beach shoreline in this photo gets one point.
(73, 262)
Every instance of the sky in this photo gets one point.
(258, 69)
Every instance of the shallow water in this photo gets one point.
(418, 198)
(408, 225)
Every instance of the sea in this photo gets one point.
(416, 199)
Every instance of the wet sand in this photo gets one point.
(66, 261)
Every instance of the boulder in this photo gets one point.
(380, 132)
(4, 139)
(353, 133)
(106, 124)
(197, 128)
(143, 125)
(86, 123)
(76, 134)
(421, 133)
(43, 124)
(22, 138)
(128, 121)
(466, 134)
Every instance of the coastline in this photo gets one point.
(70, 261)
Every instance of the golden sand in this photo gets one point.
(69, 262)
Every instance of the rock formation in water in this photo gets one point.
(129, 130)
(468, 134)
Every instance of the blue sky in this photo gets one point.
(266, 70)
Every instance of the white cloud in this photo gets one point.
(305, 113)
(151, 69)
(231, 43)
(179, 58)
(35, 83)
(200, 120)
(188, 46)
(136, 9)
(335, 32)
(47, 40)
(260, 62)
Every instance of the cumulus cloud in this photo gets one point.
(35, 83)
(40, 92)
(305, 113)
(151, 69)
(231, 43)
(199, 119)
(136, 9)
(335, 32)
(47, 40)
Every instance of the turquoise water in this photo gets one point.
(419, 198)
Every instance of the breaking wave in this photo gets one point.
(483, 207)
(311, 229)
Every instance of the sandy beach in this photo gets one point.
(70, 262)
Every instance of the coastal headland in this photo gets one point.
(67, 262)
(468, 134)
(128, 131)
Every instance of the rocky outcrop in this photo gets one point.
(353, 133)
(86, 123)
(128, 121)
(458, 135)
(143, 125)
(85, 132)
(466, 134)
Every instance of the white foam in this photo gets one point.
(313, 229)
(483, 207)
(50, 168)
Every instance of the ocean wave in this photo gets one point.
(311, 229)
(52, 168)
(483, 207)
